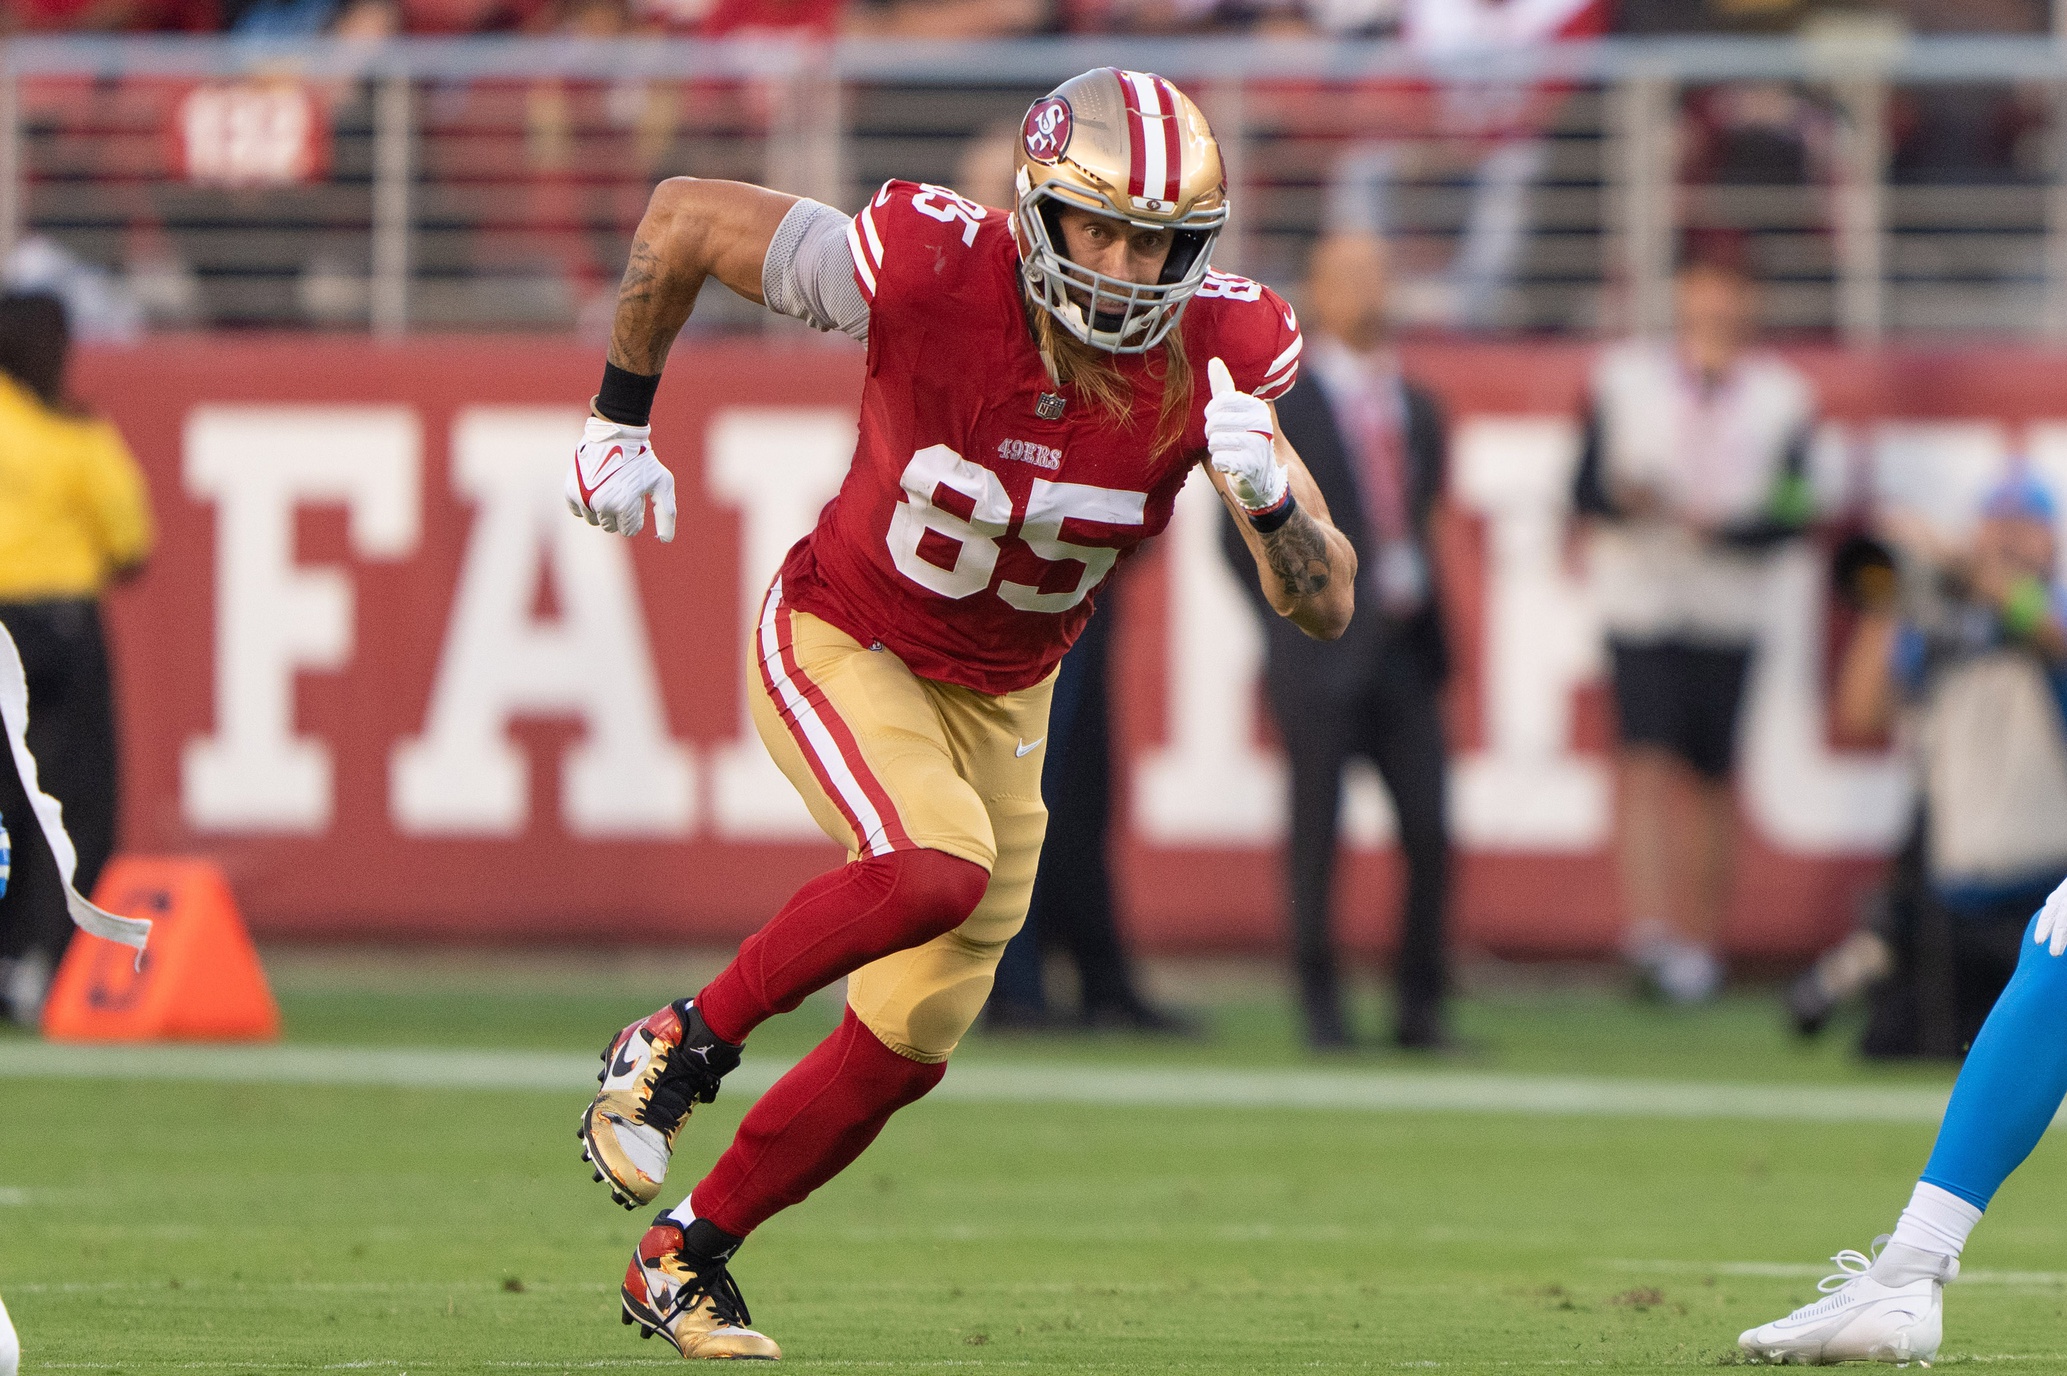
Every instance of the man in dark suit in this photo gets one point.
(1375, 445)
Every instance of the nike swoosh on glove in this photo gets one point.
(2051, 931)
(1240, 435)
(614, 472)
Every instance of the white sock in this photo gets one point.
(682, 1213)
(1935, 1224)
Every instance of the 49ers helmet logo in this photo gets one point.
(1047, 129)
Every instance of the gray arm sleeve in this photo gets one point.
(809, 271)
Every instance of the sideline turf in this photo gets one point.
(168, 1227)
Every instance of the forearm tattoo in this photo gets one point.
(1298, 555)
(652, 304)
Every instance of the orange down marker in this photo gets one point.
(201, 979)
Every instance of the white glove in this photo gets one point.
(614, 472)
(1239, 433)
(2052, 922)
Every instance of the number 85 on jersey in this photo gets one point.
(945, 535)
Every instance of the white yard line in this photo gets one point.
(1780, 1270)
(377, 1364)
(1024, 1083)
(1439, 1091)
(408, 1364)
(307, 1287)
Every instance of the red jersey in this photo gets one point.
(983, 512)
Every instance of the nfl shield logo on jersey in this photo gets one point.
(1049, 407)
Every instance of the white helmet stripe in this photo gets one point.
(1158, 178)
(1173, 156)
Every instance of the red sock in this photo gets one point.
(836, 924)
(809, 1126)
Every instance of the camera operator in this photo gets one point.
(1963, 652)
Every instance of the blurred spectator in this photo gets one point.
(964, 19)
(372, 20)
(360, 21)
(1968, 135)
(435, 17)
(1965, 134)
(108, 16)
(947, 18)
(1176, 17)
(1375, 445)
(1692, 470)
(1756, 133)
(1977, 16)
(1709, 16)
(74, 518)
(1353, 18)
(1746, 133)
(248, 153)
(1486, 135)
(98, 304)
(1964, 652)
(720, 18)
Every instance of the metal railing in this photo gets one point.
(484, 183)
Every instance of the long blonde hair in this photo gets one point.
(1095, 378)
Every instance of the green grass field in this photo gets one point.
(158, 1226)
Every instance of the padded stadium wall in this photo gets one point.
(379, 672)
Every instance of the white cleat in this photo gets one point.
(1859, 1319)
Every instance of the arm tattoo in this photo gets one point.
(652, 303)
(639, 272)
(1298, 555)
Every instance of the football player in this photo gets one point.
(1041, 382)
(1888, 1306)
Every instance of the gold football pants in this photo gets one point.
(890, 761)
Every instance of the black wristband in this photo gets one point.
(625, 397)
(1265, 522)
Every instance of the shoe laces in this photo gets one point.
(1852, 1264)
(710, 1280)
(696, 1065)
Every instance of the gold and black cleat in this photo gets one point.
(691, 1301)
(654, 1072)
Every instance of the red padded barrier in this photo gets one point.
(350, 863)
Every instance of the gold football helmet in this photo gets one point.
(1132, 146)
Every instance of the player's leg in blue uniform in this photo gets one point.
(1888, 1307)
